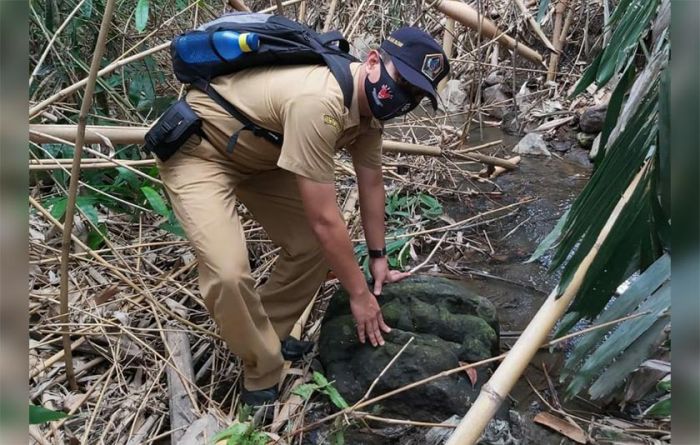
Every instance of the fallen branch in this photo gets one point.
(469, 17)
(73, 187)
(182, 405)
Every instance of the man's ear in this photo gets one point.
(372, 65)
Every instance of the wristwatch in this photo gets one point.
(377, 253)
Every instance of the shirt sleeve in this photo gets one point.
(367, 148)
(311, 130)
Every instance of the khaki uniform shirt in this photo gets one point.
(305, 104)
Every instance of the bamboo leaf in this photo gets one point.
(156, 202)
(305, 390)
(640, 350)
(141, 15)
(662, 408)
(39, 414)
(550, 239)
(86, 9)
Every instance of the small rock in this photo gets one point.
(532, 144)
(494, 78)
(452, 97)
(593, 118)
(585, 140)
(561, 146)
(497, 100)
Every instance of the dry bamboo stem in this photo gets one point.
(491, 160)
(239, 5)
(448, 38)
(534, 25)
(73, 187)
(280, 10)
(559, 37)
(94, 134)
(469, 17)
(329, 16)
(499, 385)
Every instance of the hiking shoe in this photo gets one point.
(262, 401)
(293, 349)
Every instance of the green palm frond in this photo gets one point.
(634, 139)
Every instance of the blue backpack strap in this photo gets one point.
(330, 37)
(340, 67)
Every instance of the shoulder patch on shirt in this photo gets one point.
(333, 122)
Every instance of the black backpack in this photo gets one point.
(282, 42)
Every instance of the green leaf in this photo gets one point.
(57, 206)
(141, 16)
(325, 387)
(234, 432)
(84, 203)
(155, 201)
(338, 437)
(662, 408)
(664, 385)
(320, 379)
(305, 390)
(97, 237)
(550, 239)
(588, 77)
(39, 414)
(86, 9)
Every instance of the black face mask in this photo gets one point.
(386, 98)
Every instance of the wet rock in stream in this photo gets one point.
(449, 324)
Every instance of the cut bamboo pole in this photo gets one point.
(447, 43)
(73, 188)
(329, 16)
(471, 18)
(534, 25)
(507, 374)
(94, 134)
(560, 32)
(239, 5)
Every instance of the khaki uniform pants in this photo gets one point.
(203, 184)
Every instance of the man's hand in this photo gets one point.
(368, 318)
(379, 268)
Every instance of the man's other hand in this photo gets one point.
(379, 268)
(368, 318)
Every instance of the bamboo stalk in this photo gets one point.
(506, 375)
(448, 38)
(329, 16)
(239, 5)
(560, 38)
(280, 10)
(94, 134)
(534, 25)
(470, 18)
(73, 187)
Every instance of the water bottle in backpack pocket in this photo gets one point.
(205, 47)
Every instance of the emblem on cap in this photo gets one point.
(432, 65)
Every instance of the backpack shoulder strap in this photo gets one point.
(340, 67)
(257, 130)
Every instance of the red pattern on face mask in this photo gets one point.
(384, 93)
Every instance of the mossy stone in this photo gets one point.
(449, 324)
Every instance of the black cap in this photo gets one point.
(418, 58)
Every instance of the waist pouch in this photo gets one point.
(172, 130)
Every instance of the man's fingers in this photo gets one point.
(361, 332)
(377, 333)
(395, 276)
(377, 287)
(383, 326)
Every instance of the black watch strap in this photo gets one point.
(377, 253)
